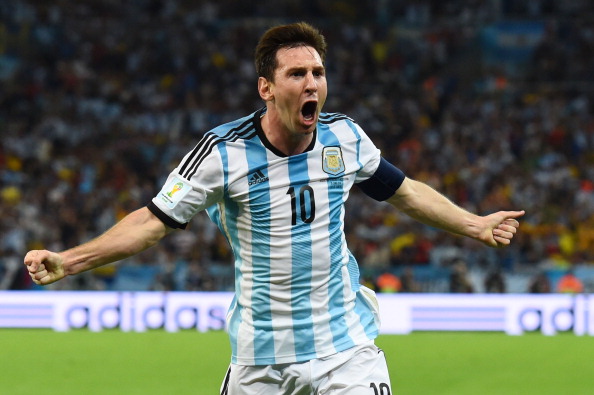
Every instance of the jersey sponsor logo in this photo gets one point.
(173, 192)
(257, 178)
(332, 162)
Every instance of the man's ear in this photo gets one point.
(265, 89)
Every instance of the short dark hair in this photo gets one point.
(286, 36)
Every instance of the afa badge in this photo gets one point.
(332, 162)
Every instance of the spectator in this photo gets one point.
(408, 282)
(570, 284)
(495, 282)
(388, 283)
(11, 275)
(459, 280)
(540, 284)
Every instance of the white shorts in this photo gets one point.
(358, 371)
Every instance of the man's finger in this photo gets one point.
(513, 214)
(39, 275)
(33, 265)
(505, 234)
(30, 258)
(511, 222)
(42, 274)
(36, 281)
(508, 228)
(41, 268)
(501, 240)
(34, 259)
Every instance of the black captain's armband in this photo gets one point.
(384, 182)
(164, 217)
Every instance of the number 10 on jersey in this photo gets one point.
(304, 202)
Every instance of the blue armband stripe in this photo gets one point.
(384, 182)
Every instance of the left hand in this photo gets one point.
(500, 228)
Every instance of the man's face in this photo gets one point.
(299, 89)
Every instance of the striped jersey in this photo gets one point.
(297, 293)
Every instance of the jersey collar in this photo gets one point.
(258, 124)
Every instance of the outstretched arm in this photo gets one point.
(138, 231)
(428, 206)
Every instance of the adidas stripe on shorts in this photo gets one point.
(360, 370)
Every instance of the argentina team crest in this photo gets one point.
(332, 162)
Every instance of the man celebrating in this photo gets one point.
(275, 182)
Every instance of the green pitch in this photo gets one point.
(113, 362)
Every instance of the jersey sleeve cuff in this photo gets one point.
(167, 220)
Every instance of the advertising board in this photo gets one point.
(513, 314)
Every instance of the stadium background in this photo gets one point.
(490, 102)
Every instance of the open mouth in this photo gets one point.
(309, 110)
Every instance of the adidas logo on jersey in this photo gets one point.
(257, 178)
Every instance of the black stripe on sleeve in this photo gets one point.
(192, 157)
(209, 141)
(384, 182)
(167, 220)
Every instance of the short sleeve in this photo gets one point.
(181, 198)
(369, 156)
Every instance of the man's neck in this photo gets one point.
(282, 139)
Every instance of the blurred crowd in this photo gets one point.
(99, 100)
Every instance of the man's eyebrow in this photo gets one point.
(301, 68)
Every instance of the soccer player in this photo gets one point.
(275, 182)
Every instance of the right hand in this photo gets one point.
(45, 267)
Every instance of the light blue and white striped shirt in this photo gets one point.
(297, 292)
